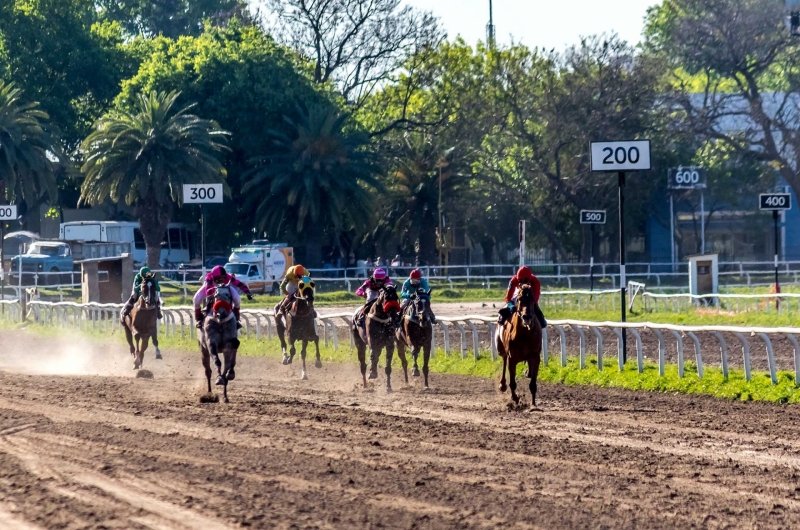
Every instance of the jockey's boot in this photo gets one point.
(539, 315)
(158, 311)
(125, 311)
(504, 316)
(237, 315)
(198, 316)
(432, 316)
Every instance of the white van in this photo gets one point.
(179, 245)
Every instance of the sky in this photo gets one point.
(540, 23)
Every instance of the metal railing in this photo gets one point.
(464, 333)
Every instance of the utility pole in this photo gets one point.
(490, 35)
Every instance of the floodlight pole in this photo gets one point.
(622, 281)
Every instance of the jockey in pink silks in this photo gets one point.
(207, 290)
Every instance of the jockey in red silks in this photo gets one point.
(372, 288)
(205, 292)
(219, 275)
(524, 276)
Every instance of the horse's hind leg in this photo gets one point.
(512, 376)
(401, 352)
(362, 355)
(129, 338)
(426, 356)
(304, 377)
(388, 370)
(280, 328)
(503, 386)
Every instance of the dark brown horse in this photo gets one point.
(220, 335)
(378, 333)
(299, 325)
(520, 340)
(416, 332)
(142, 323)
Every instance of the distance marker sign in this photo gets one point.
(593, 217)
(621, 156)
(687, 178)
(202, 193)
(775, 201)
(8, 212)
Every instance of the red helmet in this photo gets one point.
(416, 274)
(524, 273)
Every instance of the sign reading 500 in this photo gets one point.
(202, 193)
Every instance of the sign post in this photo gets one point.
(7, 213)
(687, 178)
(621, 157)
(592, 218)
(521, 243)
(775, 202)
(202, 194)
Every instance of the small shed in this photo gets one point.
(106, 280)
(704, 274)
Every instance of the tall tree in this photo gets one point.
(144, 156)
(736, 75)
(29, 153)
(317, 180)
(358, 44)
(171, 18)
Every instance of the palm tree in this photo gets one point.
(29, 154)
(318, 179)
(145, 155)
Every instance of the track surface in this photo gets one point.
(112, 451)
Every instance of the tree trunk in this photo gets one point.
(313, 256)
(427, 238)
(153, 221)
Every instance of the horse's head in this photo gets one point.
(525, 305)
(389, 301)
(149, 291)
(221, 309)
(422, 302)
(305, 293)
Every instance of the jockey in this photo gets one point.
(220, 272)
(289, 285)
(206, 291)
(524, 276)
(138, 280)
(372, 288)
(414, 282)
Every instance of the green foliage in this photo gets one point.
(317, 179)
(25, 168)
(171, 18)
(144, 155)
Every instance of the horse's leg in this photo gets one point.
(318, 364)
(155, 343)
(206, 356)
(415, 358)
(292, 351)
(229, 356)
(533, 372)
(129, 338)
(401, 352)
(304, 377)
(138, 339)
(374, 354)
(281, 330)
(426, 355)
(503, 386)
(512, 376)
(388, 370)
(214, 349)
(145, 344)
(362, 355)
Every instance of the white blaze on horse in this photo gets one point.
(141, 324)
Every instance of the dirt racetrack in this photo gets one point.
(84, 444)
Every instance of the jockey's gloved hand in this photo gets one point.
(250, 297)
(510, 305)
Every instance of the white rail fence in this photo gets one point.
(464, 334)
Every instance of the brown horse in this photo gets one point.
(520, 340)
(220, 335)
(142, 323)
(299, 325)
(416, 332)
(378, 333)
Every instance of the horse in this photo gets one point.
(416, 332)
(142, 323)
(298, 323)
(220, 334)
(520, 340)
(378, 333)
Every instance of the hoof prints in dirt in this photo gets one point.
(144, 374)
(209, 398)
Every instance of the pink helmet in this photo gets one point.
(380, 274)
(218, 273)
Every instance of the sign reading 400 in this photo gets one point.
(621, 156)
(202, 193)
(775, 201)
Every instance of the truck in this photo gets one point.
(53, 262)
(261, 266)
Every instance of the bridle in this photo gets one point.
(525, 304)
